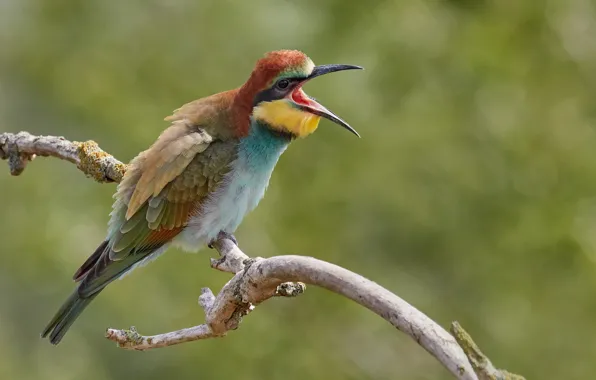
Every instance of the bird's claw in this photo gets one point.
(226, 235)
(220, 236)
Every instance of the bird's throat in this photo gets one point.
(281, 116)
(262, 147)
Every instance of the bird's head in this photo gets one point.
(278, 100)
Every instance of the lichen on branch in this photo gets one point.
(21, 148)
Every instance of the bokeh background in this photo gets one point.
(472, 193)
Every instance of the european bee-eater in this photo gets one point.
(203, 174)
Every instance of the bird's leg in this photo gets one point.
(223, 235)
(231, 258)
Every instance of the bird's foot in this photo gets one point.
(222, 235)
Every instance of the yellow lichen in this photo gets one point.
(97, 164)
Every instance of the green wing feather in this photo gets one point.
(161, 217)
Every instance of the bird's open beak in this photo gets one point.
(310, 105)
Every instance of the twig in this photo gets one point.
(23, 147)
(222, 313)
(483, 367)
(256, 279)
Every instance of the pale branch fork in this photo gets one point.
(258, 279)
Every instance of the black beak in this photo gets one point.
(326, 69)
(316, 108)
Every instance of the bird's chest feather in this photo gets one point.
(241, 190)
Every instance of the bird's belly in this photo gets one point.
(239, 194)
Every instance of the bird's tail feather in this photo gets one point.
(65, 317)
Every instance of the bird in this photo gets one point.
(203, 174)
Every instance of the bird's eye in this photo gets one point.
(283, 84)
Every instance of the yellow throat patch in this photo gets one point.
(280, 115)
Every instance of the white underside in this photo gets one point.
(239, 193)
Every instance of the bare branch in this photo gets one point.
(130, 339)
(257, 279)
(23, 147)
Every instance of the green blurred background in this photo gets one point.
(472, 193)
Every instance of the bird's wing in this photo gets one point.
(164, 161)
(160, 192)
(164, 213)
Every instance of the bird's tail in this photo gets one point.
(65, 317)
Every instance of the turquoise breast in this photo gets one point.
(241, 190)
